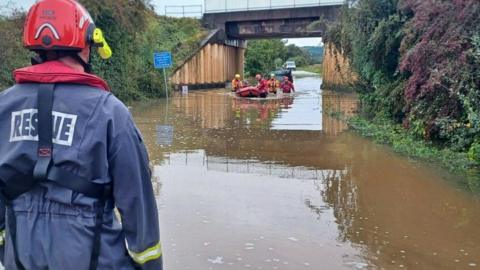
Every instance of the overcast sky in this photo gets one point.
(160, 9)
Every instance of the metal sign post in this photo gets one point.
(163, 60)
(166, 85)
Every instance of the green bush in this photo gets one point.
(474, 152)
(418, 64)
(133, 31)
(12, 54)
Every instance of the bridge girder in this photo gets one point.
(275, 23)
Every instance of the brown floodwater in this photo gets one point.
(283, 184)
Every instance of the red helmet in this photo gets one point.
(62, 25)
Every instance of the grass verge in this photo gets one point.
(317, 68)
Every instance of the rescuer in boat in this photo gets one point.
(69, 153)
(262, 85)
(273, 84)
(237, 83)
(287, 86)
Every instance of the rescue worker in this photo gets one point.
(287, 86)
(69, 153)
(237, 83)
(273, 84)
(262, 85)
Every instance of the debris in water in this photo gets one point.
(206, 243)
(472, 264)
(217, 260)
(306, 264)
(358, 265)
(293, 239)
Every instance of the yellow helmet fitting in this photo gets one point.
(103, 49)
(237, 76)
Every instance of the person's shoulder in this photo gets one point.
(4, 92)
(16, 91)
(114, 104)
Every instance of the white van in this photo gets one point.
(290, 65)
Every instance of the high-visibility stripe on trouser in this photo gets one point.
(2, 237)
(147, 255)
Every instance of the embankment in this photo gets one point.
(418, 67)
(134, 32)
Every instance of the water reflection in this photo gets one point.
(281, 183)
(200, 158)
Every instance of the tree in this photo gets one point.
(261, 55)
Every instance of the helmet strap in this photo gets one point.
(43, 57)
(35, 60)
(86, 66)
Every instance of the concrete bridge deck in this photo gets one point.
(274, 23)
(221, 55)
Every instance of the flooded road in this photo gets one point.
(282, 184)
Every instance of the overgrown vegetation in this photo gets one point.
(12, 54)
(134, 32)
(263, 56)
(418, 64)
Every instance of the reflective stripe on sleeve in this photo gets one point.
(149, 254)
(2, 237)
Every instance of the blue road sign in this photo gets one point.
(162, 59)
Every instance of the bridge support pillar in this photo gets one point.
(337, 71)
(211, 66)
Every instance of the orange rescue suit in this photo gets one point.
(273, 84)
(237, 84)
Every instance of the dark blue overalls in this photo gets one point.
(69, 155)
